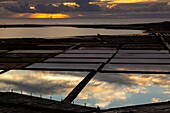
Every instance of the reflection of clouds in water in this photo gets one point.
(47, 83)
(156, 100)
(104, 89)
(158, 80)
(113, 78)
(124, 67)
(136, 90)
(107, 88)
(162, 80)
(103, 92)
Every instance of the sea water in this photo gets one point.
(62, 32)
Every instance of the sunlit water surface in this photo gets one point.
(61, 32)
(82, 21)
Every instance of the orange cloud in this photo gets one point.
(71, 4)
(32, 8)
(168, 3)
(110, 6)
(40, 15)
(127, 1)
(154, 100)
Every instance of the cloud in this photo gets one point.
(82, 5)
(162, 80)
(108, 88)
(6, 1)
(83, 9)
(87, 8)
(154, 100)
(46, 83)
(103, 93)
(114, 78)
(140, 7)
(105, 89)
(132, 1)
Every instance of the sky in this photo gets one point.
(84, 8)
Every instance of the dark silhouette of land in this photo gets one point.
(148, 26)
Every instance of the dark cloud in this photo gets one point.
(20, 9)
(33, 82)
(7, 0)
(42, 82)
(133, 10)
(114, 78)
(49, 8)
(43, 87)
(133, 79)
(141, 7)
(84, 6)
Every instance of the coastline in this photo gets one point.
(148, 27)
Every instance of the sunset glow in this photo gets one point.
(71, 4)
(32, 8)
(111, 6)
(127, 1)
(168, 3)
(44, 15)
(56, 4)
(41, 15)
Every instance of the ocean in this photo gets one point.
(65, 32)
(82, 21)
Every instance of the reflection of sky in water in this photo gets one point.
(106, 89)
(112, 89)
(47, 83)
